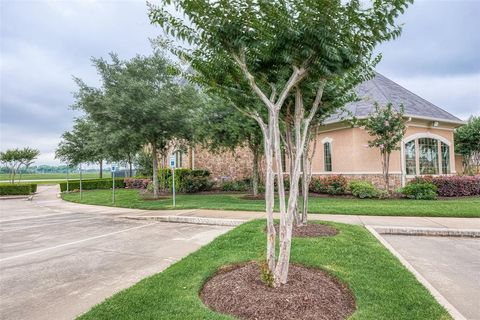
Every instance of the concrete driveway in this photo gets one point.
(451, 265)
(57, 262)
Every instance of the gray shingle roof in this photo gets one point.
(383, 90)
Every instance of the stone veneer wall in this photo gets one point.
(225, 166)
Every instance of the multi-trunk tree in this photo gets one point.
(14, 159)
(281, 48)
(386, 126)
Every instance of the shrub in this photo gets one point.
(16, 189)
(134, 183)
(457, 186)
(192, 184)
(420, 190)
(33, 187)
(200, 173)
(331, 185)
(364, 189)
(92, 184)
(236, 185)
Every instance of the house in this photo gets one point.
(427, 147)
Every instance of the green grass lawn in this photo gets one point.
(383, 288)
(463, 207)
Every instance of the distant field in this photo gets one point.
(57, 176)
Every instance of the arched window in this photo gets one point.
(427, 154)
(327, 156)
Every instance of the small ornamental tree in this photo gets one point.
(14, 159)
(387, 128)
(467, 143)
(274, 50)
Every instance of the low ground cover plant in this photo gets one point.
(17, 189)
(136, 183)
(333, 185)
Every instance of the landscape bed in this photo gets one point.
(382, 287)
(455, 207)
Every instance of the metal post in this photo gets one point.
(113, 188)
(81, 193)
(67, 178)
(173, 184)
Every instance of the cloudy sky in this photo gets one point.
(45, 42)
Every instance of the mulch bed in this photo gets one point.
(252, 197)
(309, 294)
(311, 230)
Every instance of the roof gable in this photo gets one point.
(383, 90)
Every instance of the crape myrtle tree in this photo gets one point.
(14, 159)
(221, 127)
(467, 143)
(144, 99)
(387, 127)
(280, 47)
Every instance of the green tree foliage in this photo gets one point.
(14, 159)
(141, 103)
(467, 143)
(278, 49)
(387, 128)
(222, 128)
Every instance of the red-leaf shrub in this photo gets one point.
(457, 186)
(330, 185)
(454, 186)
(133, 183)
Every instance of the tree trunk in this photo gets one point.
(101, 169)
(130, 170)
(255, 174)
(305, 183)
(155, 171)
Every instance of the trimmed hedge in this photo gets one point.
(92, 184)
(365, 189)
(17, 189)
(331, 185)
(420, 190)
(453, 186)
(186, 180)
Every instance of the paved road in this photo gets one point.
(451, 265)
(56, 262)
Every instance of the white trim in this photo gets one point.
(460, 122)
(336, 129)
(427, 135)
(430, 127)
(327, 139)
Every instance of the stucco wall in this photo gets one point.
(351, 154)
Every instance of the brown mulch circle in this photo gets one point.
(311, 230)
(309, 294)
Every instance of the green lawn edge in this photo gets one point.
(461, 207)
(383, 288)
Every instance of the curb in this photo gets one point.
(15, 197)
(434, 232)
(437, 295)
(190, 220)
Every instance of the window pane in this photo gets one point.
(327, 156)
(445, 158)
(428, 155)
(410, 158)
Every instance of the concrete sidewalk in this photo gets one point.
(241, 216)
(48, 198)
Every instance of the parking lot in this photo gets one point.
(56, 263)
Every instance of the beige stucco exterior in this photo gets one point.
(350, 153)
